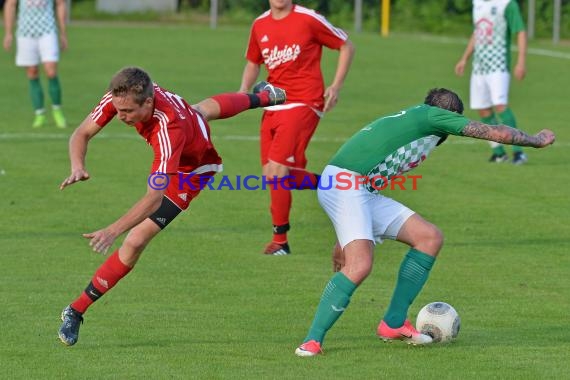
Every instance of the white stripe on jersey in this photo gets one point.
(98, 111)
(336, 31)
(289, 106)
(161, 144)
(207, 168)
(264, 14)
(164, 140)
(202, 126)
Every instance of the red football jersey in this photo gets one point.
(178, 135)
(291, 49)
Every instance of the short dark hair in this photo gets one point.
(444, 98)
(132, 81)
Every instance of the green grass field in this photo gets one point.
(204, 303)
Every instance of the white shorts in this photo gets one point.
(357, 213)
(32, 51)
(489, 90)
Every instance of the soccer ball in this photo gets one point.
(439, 320)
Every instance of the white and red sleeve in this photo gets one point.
(104, 112)
(324, 32)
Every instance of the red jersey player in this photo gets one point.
(183, 153)
(288, 39)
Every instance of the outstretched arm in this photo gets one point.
(506, 135)
(78, 143)
(102, 240)
(344, 61)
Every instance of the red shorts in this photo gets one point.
(285, 135)
(183, 188)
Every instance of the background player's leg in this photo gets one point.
(36, 95)
(507, 117)
(54, 90)
(488, 116)
(280, 207)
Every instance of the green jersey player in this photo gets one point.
(382, 150)
(495, 22)
(37, 41)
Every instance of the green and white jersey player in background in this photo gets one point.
(37, 41)
(495, 22)
(387, 147)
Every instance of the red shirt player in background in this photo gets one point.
(183, 153)
(288, 39)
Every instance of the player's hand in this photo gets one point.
(76, 176)
(546, 137)
(331, 97)
(337, 258)
(63, 42)
(460, 67)
(8, 39)
(520, 71)
(101, 240)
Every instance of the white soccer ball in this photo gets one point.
(439, 320)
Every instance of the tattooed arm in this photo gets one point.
(506, 135)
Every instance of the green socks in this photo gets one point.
(37, 94)
(491, 120)
(413, 274)
(334, 301)
(54, 91)
(508, 118)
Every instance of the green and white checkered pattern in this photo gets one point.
(495, 22)
(36, 18)
(490, 48)
(402, 160)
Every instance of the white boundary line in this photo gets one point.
(548, 53)
(451, 40)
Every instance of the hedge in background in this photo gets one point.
(446, 17)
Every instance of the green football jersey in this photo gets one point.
(36, 18)
(495, 22)
(397, 143)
